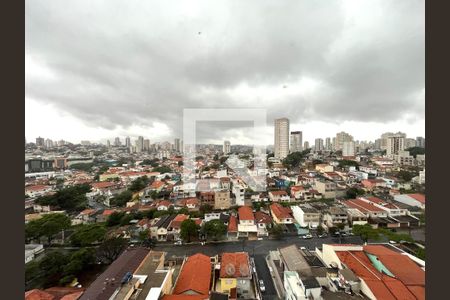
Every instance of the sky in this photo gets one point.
(100, 69)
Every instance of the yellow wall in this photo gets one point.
(104, 177)
(226, 284)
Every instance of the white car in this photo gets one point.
(261, 286)
(178, 243)
(307, 236)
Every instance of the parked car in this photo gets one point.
(261, 286)
(260, 239)
(322, 235)
(307, 236)
(178, 243)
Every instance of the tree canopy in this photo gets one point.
(122, 198)
(163, 169)
(85, 235)
(71, 199)
(110, 249)
(47, 226)
(416, 150)
(188, 230)
(139, 183)
(294, 159)
(215, 229)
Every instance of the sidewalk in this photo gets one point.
(278, 283)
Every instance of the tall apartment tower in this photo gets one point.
(40, 142)
(117, 142)
(306, 145)
(395, 143)
(127, 141)
(348, 149)
(296, 141)
(226, 147)
(177, 145)
(281, 138)
(420, 142)
(342, 137)
(328, 144)
(140, 144)
(146, 145)
(318, 144)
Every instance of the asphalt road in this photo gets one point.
(264, 275)
(252, 247)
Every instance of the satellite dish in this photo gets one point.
(230, 269)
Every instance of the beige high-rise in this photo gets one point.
(281, 138)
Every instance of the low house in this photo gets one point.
(246, 226)
(232, 230)
(306, 216)
(371, 184)
(297, 192)
(87, 216)
(279, 196)
(157, 186)
(280, 214)
(324, 168)
(103, 217)
(175, 226)
(235, 272)
(263, 222)
(326, 188)
(163, 205)
(33, 191)
(195, 276)
(417, 200)
(159, 227)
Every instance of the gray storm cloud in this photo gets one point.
(118, 63)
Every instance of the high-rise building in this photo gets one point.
(409, 143)
(333, 144)
(177, 145)
(48, 143)
(61, 142)
(127, 141)
(108, 144)
(420, 142)
(226, 147)
(296, 141)
(342, 137)
(146, 145)
(318, 144)
(348, 149)
(117, 142)
(306, 145)
(395, 143)
(328, 144)
(281, 144)
(140, 144)
(40, 142)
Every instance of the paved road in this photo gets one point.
(264, 274)
(252, 247)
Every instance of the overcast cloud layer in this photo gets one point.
(131, 67)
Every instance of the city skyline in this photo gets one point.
(362, 67)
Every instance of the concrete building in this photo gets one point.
(306, 216)
(328, 144)
(395, 143)
(296, 141)
(348, 148)
(117, 142)
(127, 141)
(306, 145)
(222, 199)
(177, 145)
(318, 144)
(281, 144)
(146, 146)
(238, 192)
(342, 137)
(420, 142)
(226, 147)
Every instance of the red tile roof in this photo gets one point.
(278, 193)
(37, 188)
(362, 205)
(406, 272)
(176, 222)
(261, 217)
(102, 185)
(418, 197)
(88, 212)
(108, 212)
(246, 213)
(232, 224)
(235, 265)
(37, 294)
(195, 275)
(185, 297)
(279, 211)
(156, 184)
(375, 200)
(164, 203)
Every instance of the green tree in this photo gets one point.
(416, 150)
(205, 209)
(366, 232)
(110, 249)
(320, 230)
(144, 235)
(163, 169)
(293, 159)
(348, 163)
(406, 175)
(188, 230)
(277, 231)
(71, 199)
(215, 229)
(121, 199)
(138, 184)
(354, 192)
(52, 267)
(85, 235)
(114, 218)
(47, 226)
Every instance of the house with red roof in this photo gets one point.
(235, 273)
(37, 190)
(232, 229)
(246, 226)
(281, 214)
(263, 222)
(87, 216)
(195, 276)
(175, 226)
(417, 200)
(384, 273)
(279, 196)
(163, 205)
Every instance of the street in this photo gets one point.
(252, 247)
